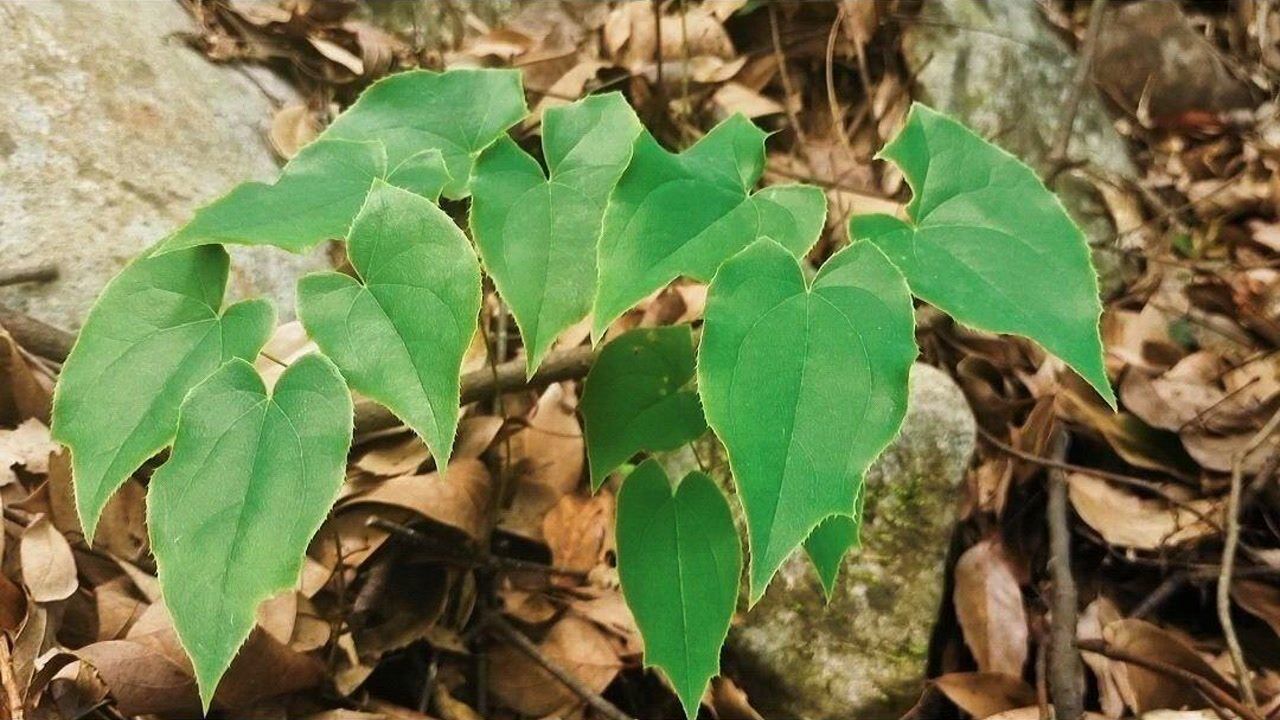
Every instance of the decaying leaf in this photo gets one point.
(1128, 520)
(989, 605)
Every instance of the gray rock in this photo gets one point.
(111, 133)
(999, 67)
(863, 655)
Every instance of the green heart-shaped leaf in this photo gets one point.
(400, 331)
(828, 543)
(637, 397)
(315, 198)
(156, 331)
(674, 215)
(805, 386)
(679, 560)
(251, 477)
(989, 245)
(458, 112)
(538, 235)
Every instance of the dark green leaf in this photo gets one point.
(317, 195)
(399, 332)
(156, 331)
(637, 397)
(251, 477)
(684, 214)
(679, 560)
(458, 112)
(988, 244)
(538, 235)
(805, 386)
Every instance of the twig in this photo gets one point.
(569, 364)
(1218, 695)
(35, 335)
(1229, 560)
(37, 274)
(1058, 155)
(1064, 661)
(787, 87)
(605, 708)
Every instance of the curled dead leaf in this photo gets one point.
(990, 609)
(1125, 519)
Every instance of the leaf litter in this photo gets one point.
(382, 623)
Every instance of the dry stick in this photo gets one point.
(1229, 560)
(37, 274)
(503, 629)
(1064, 659)
(1058, 155)
(570, 364)
(1209, 689)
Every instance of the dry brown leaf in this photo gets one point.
(547, 458)
(729, 701)
(142, 679)
(25, 387)
(1096, 616)
(1128, 520)
(983, 694)
(609, 610)
(398, 457)
(13, 605)
(1144, 690)
(292, 127)
(48, 567)
(1259, 599)
(117, 608)
(579, 531)
(461, 500)
(990, 609)
(28, 446)
(733, 98)
(1125, 519)
(1136, 442)
(575, 645)
(1035, 712)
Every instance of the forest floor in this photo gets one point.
(1164, 504)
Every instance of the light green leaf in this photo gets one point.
(805, 386)
(458, 112)
(251, 477)
(315, 198)
(827, 544)
(679, 560)
(637, 397)
(156, 331)
(399, 332)
(674, 215)
(988, 244)
(538, 235)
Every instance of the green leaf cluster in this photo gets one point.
(802, 379)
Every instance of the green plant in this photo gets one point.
(804, 380)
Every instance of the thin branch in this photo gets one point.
(1058, 155)
(1209, 689)
(1064, 660)
(1229, 560)
(37, 274)
(569, 364)
(503, 629)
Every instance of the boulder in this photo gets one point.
(998, 66)
(111, 133)
(863, 654)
